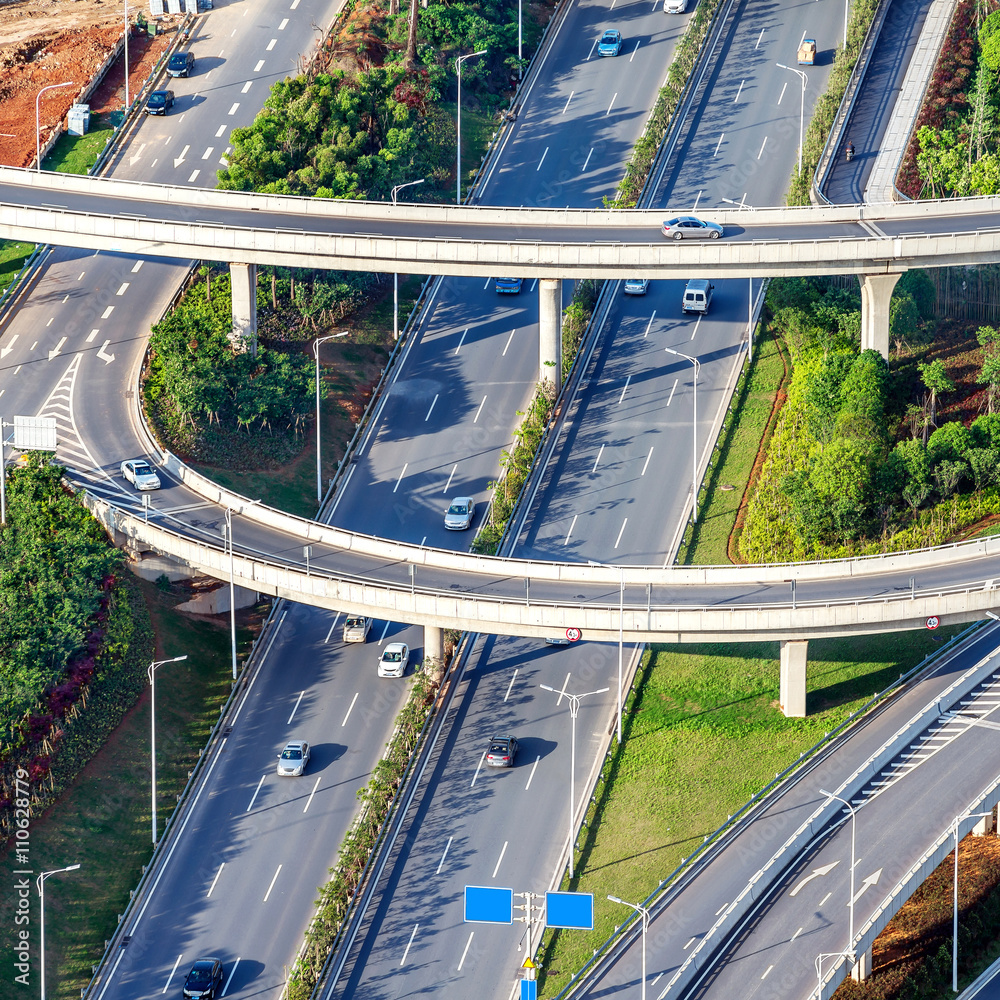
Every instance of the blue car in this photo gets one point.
(610, 43)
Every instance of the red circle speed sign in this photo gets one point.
(933, 622)
(573, 634)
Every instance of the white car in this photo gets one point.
(392, 662)
(293, 759)
(635, 286)
(460, 513)
(356, 628)
(140, 474)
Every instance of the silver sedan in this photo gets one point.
(687, 227)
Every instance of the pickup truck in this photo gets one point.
(807, 52)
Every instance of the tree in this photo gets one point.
(935, 377)
(989, 375)
(410, 62)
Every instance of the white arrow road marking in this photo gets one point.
(178, 160)
(58, 349)
(134, 158)
(106, 358)
(4, 351)
(816, 872)
(866, 885)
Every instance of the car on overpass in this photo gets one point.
(688, 227)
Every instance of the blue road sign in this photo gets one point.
(570, 909)
(487, 905)
(529, 989)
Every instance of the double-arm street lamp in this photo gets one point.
(574, 711)
(458, 116)
(38, 126)
(802, 103)
(151, 674)
(644, 914)
(694, 430)
(395, 276)
(40, 883)
(319, 463)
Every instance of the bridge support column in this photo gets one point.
(792, 689)
(876, 292)
(433, 651)
(243, 278)
(550, 330)
(984, 826)
(863, 967)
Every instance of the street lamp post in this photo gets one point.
(644, 914)
(954, 902)
(38, 126)
(395, 276)
(227, 532)
(574, 711)
(151, 674)
(458, 116)
(802, 101)
(40, 884)
(854, 818)
(319, 464)
(818, 962)
(694, 427)
(126, 55)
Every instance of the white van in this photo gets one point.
(698, 295)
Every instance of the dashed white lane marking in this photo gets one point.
(283, 25)
(401, 474)
(766, 971)
(123, 289)
(443, 856)
(232, 110)
(586, 161)
(216, 879)
(461, 340)
(761, 35)
(645, 464)
(503, 851)
(166, 985)
(611, 105)
(533, 767)
(430, 409)
(673, 389)
(568, 99)
(476, 775)
(621, 532)
(720, 909)
(253, 798)
(782, 94)
(136, 266)
(295, 4)
(271, 886)
(572, 525)
(107, 312)
(738, 92)
(649, 325)
(246, 86)
(82, 273)
(332, 627)
(466, 952)
(688, 945)
(311, 794)
(194, 176)
(259, 66)
(447, 485)
(825, 898)
(208, 152)
(503, 354)
(350, 709)
(717, 146)
(597, 460)
(636, 49)
(221, 129)
(542, 160)
(91, 336)
(406, 950)
(796, 934)
(480, 410)
(513, 677)
(232, 972)
(624, 389)
(271, 44)
(51, 321)
(762, 145)
(65, 299)
(295, 708)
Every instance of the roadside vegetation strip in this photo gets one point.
(705, 735)
(363, 840)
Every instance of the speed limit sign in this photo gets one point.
(573, 634)
(933, 622)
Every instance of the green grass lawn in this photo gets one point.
(13, 254)
(103, 821)
(76, 154)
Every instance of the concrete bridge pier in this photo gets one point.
(792, 685)
(876, 293)
(862, 967)
(433, 650)
(550, 330)
(984, 826)
(243, 278)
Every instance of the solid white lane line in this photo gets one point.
(406, 950)
(782, 94)
(542, 160)
(645, 464)
(232, 972)
(381, 638)
(297, 700)
(350, 709)
(466, 952)
(218, 134)
(136, 266)
(232, 110)
(401, 474)
(762, 145)
(649, 324)
(253, 798)
(431, 408)
(283, 25)
(166, 985)
(568, 99)
(246, 86)
(271, 44)
(443, 856)
(271, 886)
(461, 340)
(480, 410)
(717, 145)
(624, 390)
(476, 775)
(509, 339)
(311, 794)
(503, 851)
(673, 389)
(562, 693)
(259, 66)
(636, 49)
(586, 161)
(572, 525)
(530, 776)
(447, 485)
(332, 627)
(738, 92)
(611, 105)
(621, 532)
(597, 460)
(513, 677)
(216, 879)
